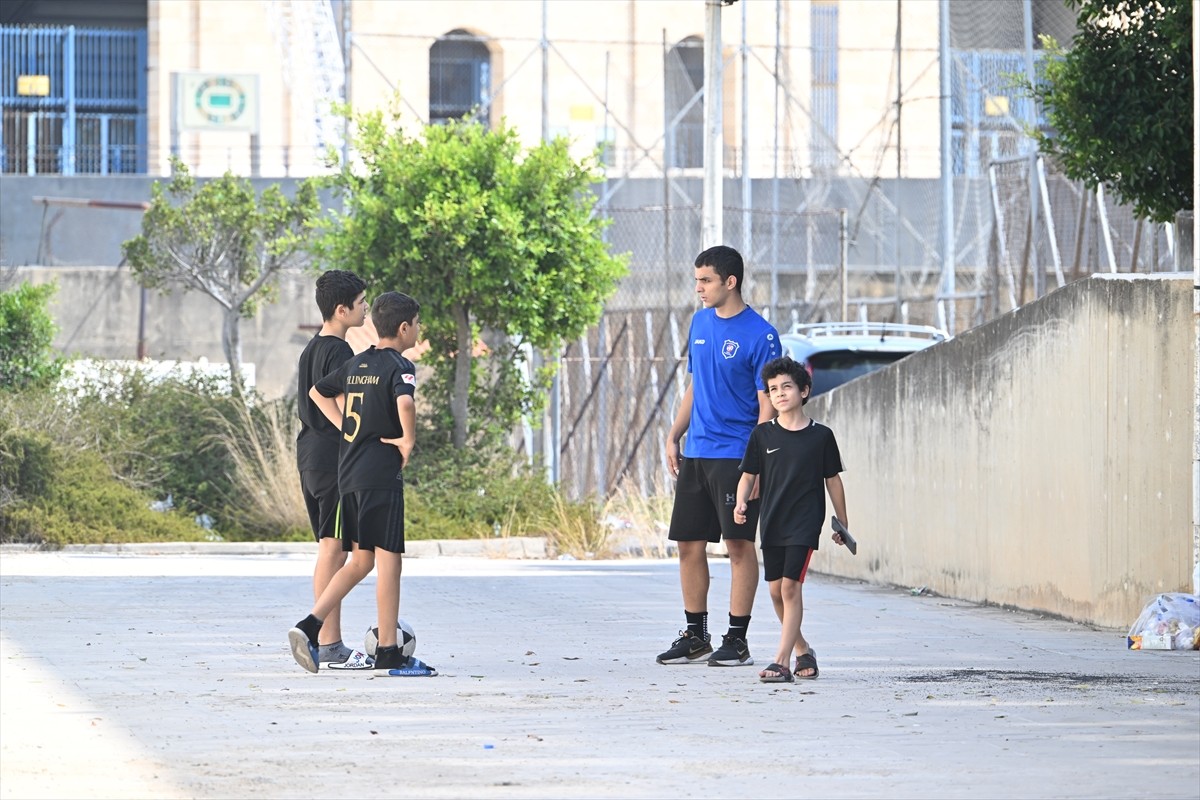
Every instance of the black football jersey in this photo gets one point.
(371, 382)
(318, 441)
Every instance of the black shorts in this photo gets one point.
(375, 517)
(322, 499)
(789, 561)
(705, 496)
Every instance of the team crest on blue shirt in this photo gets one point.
(729, 349)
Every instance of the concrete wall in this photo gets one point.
(1042, 460)
(97, 313)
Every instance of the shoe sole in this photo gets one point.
(749, 662)
(699, 658)
(302, 650)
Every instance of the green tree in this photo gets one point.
(1120, 102)
(222, 240)
(27, 357)
(491, 239)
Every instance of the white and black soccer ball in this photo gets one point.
(406, 638)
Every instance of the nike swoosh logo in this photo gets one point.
(773, 451)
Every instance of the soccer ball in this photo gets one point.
(406, 638)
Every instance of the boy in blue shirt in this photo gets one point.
(728, 345)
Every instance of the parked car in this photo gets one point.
(837, 352)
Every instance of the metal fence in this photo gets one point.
(72, 101)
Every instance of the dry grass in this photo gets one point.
(639, 522)
(575, 529)
(261, 442)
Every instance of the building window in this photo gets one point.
(685, 104)
(460, 76)
(824, 84)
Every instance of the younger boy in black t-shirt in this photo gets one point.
(378, 433)
(342, 300)
(797, 460)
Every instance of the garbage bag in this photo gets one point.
(1170, 621)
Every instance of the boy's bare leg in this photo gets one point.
(775, 588)
(693, 575)
(743, 572)
(387, 595)
(358, 567)
(330, 558)
(790, 637)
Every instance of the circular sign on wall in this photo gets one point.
(221, 100)
(216, 101)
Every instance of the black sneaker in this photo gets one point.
(687, 649)
(733, 652)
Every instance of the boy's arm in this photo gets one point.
(766, 411)
(407, 409)
(746, 484)
(837, 494)
(331, 407)
(683, 418)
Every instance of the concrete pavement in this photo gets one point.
(131, 675)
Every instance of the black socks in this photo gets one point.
(738, 626)
(697, 623)
(311, 627)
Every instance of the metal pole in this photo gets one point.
(714, 141)
(1031, 121)
(899, 108)
(775, 180)
(545, 76)
(747, 220)
(947, 176)
(346, 46)
(843, 261)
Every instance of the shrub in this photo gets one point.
(80, 502)
(27, 358)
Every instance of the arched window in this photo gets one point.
(684, 76)
(460, 76)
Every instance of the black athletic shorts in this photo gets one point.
(376, 518)
(789, 561)
(705, 496)
(322, 499)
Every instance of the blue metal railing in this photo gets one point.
(93, 118)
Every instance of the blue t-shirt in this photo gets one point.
(726, 357)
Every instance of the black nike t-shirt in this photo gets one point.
(318, 439)
(792, 466)
(371, 382)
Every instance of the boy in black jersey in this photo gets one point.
(376, 389)
(341, 298)
(798, 461)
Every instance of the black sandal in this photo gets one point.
(806, 661)
(782, 674)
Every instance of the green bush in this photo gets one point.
(27, 357)
(81, 502)
(472, 493)
(162, 434)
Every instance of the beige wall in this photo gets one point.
(1042, 460)
(393, 37)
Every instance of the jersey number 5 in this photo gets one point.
(353, 399)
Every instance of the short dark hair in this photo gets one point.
(337, 287)
(391, 309)
(725, 261)
(786, 365)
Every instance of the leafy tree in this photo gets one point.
(1120, 102)
(490, 239)
(220, 239)
(27, 358)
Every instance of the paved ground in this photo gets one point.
(169, 676)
